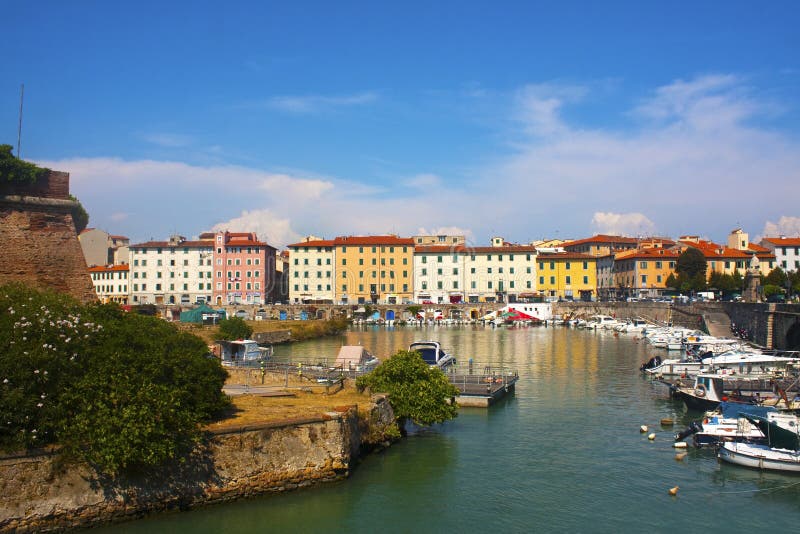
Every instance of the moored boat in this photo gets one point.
(760, 456)
(433, 354)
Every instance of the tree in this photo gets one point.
(414, 310)
(79, 216)
(417, 392)
(691, 262)
(15, 170)
(119, 390)
(234, 328)
(776, 277)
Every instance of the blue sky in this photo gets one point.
(521, 119)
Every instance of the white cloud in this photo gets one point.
(539, 106)
(275, 230)
(696, 165)
(424, 182)
(317, 103)
(786, 226)
(627, 224)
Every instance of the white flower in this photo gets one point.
(5, 381)
(39, 405)
(36, 371)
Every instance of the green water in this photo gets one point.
(563, 454)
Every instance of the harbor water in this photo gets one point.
(563, 454)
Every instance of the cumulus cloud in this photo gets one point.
(627, 224)
(275, 230)
(786, 226)
(690, 161)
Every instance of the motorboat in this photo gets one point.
(727, 423)
(760, 456)
(433, 354)
(243, 353)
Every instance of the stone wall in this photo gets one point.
(38, 493)
(40, 246)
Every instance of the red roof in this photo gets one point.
(603, 238)
(315, 243)
(647, 254)
(783, 241)
(167, 244)
(108, 268)
(546, 256)
(373, 240)
(713, 250)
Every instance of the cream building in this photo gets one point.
(110, 283)
(177, 271)
(311, 271)
(439, 274)
(499, 273)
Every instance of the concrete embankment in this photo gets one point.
(39, 493)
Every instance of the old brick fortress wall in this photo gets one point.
(37, 235)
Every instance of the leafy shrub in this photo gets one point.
(234, 328)
(121, 391)
(416, 391)
(15, 170)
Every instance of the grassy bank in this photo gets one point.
(301, 330)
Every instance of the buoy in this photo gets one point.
(679, 445)
(673, 491)
(643, 429)
(651, 437)
(667, 422)
(680, 456)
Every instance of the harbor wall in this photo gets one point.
(38, 492)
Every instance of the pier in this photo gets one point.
(483, 389)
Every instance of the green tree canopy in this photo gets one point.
(416, 391)
(234, 328)
(776, 277)
(15, 170)
(691, 262)
(119, 390)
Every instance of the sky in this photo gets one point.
(526, 120)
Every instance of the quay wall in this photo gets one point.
(40, 493)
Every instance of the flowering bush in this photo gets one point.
(121, 391)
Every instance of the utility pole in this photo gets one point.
(19, 128)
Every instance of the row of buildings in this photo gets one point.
(230, 268)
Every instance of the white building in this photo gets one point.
(171, 272)
(438, 274)
(786, 250)
(500, 273)
(110, 283)
(311, 273)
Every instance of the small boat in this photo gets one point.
(243, 353)
(433, 354)
(760, 456)
(356, 359)
(727, 424)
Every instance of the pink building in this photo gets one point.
(244, 269)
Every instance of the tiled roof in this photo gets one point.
(713, 250)
(108, 268)
(502, 250)
(317, 243)
(167, 244)
(758, 248)
(647, 254)
(372, 240)
(783, 241)
(546, 256)
(434, 249)
(603, 238)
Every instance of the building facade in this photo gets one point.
(642, 273)
(500, 273)
(243, 268)
(567, 275)
(438, 274)
(177, 271)
(110, 283)
(101, 248)
(311, 270)
(786, 251)
(377, 269)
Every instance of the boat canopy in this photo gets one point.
(734, 410)
(352, 356)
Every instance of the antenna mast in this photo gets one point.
(19, 129)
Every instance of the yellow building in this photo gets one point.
(376, 269)
(643, 272)
(567, 275)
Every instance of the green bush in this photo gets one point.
(416, 391)
(234, 328)
(119, 390)
(15, 170)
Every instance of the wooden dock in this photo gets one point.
(483, 389)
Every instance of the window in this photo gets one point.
(455, 284)
(361, 261)
(488, 270)
(424, 259)
(455, 270)
(552, 265)
(438, 259)
(552, 279)
(643, 265)
(489, 284)
(439, 285)
(644, 279)
(586, 265)
(344, 274)
(344, 261)
(541, 280)
(473, 285)
(586, 279)
(439, 271)
(424, 285)
(568, 280)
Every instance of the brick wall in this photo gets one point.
(40, 247)
(54, 184)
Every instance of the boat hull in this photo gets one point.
(760, 457)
